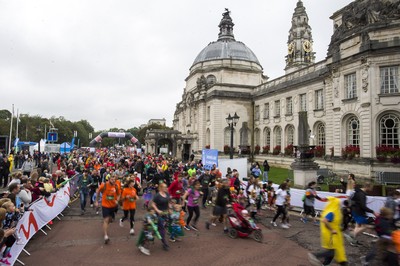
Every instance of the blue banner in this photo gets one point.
(209, 158)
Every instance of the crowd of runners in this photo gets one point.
(174, 195)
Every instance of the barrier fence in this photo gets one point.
(40, 213)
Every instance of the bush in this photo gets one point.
(276, 150)
(350, 151)
(289, 150)
(319, 151)
(257, 149)
(227, 149)
(208, 146)
(266, 149)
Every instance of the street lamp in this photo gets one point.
(232, 121)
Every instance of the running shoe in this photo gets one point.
(166, 247)
(172, 240)
(316, 223)
(132, 232)
(207, 225)
(313, 260)
(5, 261)
(274, 224)
(284, 226)
(106, 240)
(288, 224)
(97, 212)
(121, 223)
(144, 250)
(364, 261)
(213, 224)
(91, 205)
(186, 228)
(304, 220)
(193, 227)
(226, 230)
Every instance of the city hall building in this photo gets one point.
(351, 97)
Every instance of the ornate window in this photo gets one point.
(257, 113)
(211, 79)
(320, 130)
(267, 136)
(290, 135)
(257, 137)
(278, 136)
(319, 99)
(266, 110)
(289, 106)
(227, 136)
(303, 102)
(389, 79)
(353, 131)
(350, 86)
(277, 108)
(389, 126)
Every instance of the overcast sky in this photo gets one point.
(121, 63)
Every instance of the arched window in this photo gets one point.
(353, 131)
(267, 137)
(320, 134)
(278, 136)
(257, 137)
(244, 136)
(227, 136)
(289, 134)
(208, 137)
(389, 126)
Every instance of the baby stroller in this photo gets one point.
(242, 224)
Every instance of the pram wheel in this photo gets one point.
(233, 233)
(258, 236)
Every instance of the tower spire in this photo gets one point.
(226, 27)
(300, 43)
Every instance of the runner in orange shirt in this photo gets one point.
(129, 197)
(109, 203)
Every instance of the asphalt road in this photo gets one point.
(78, 240)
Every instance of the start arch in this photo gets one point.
(115, 135)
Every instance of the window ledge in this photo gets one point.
(319, 110)
(289, 114)
(389, 94)
(277, 116)
(349, 100)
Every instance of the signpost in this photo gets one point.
(52, 136)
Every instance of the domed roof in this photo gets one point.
(226, 47)
(226, 50)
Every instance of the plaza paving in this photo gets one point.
(78, 240)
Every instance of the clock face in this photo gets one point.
(291, 48)
(307, 46)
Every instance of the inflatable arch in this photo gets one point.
(115, 135)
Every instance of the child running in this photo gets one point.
(150, 223)
(129, 198)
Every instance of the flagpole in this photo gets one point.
(11, 126)
(16, 132)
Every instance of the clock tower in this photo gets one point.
(300, 44)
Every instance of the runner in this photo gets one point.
(128, 198)
(84, 182)
(161, 206)
(221, 205)
(280, 202)
(192, 196)
(308, 203)
(109, 203)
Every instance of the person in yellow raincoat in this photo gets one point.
(11, 160)
(331, 235)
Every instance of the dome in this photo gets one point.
(226, 50)
(226, 47)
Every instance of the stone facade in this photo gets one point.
(352, 97)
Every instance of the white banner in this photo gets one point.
(41, 212)
(116, 135)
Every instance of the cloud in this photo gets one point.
(121, 63)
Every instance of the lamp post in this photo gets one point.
(232, 121)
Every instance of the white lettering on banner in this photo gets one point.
(116, 135)
(42, 212)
